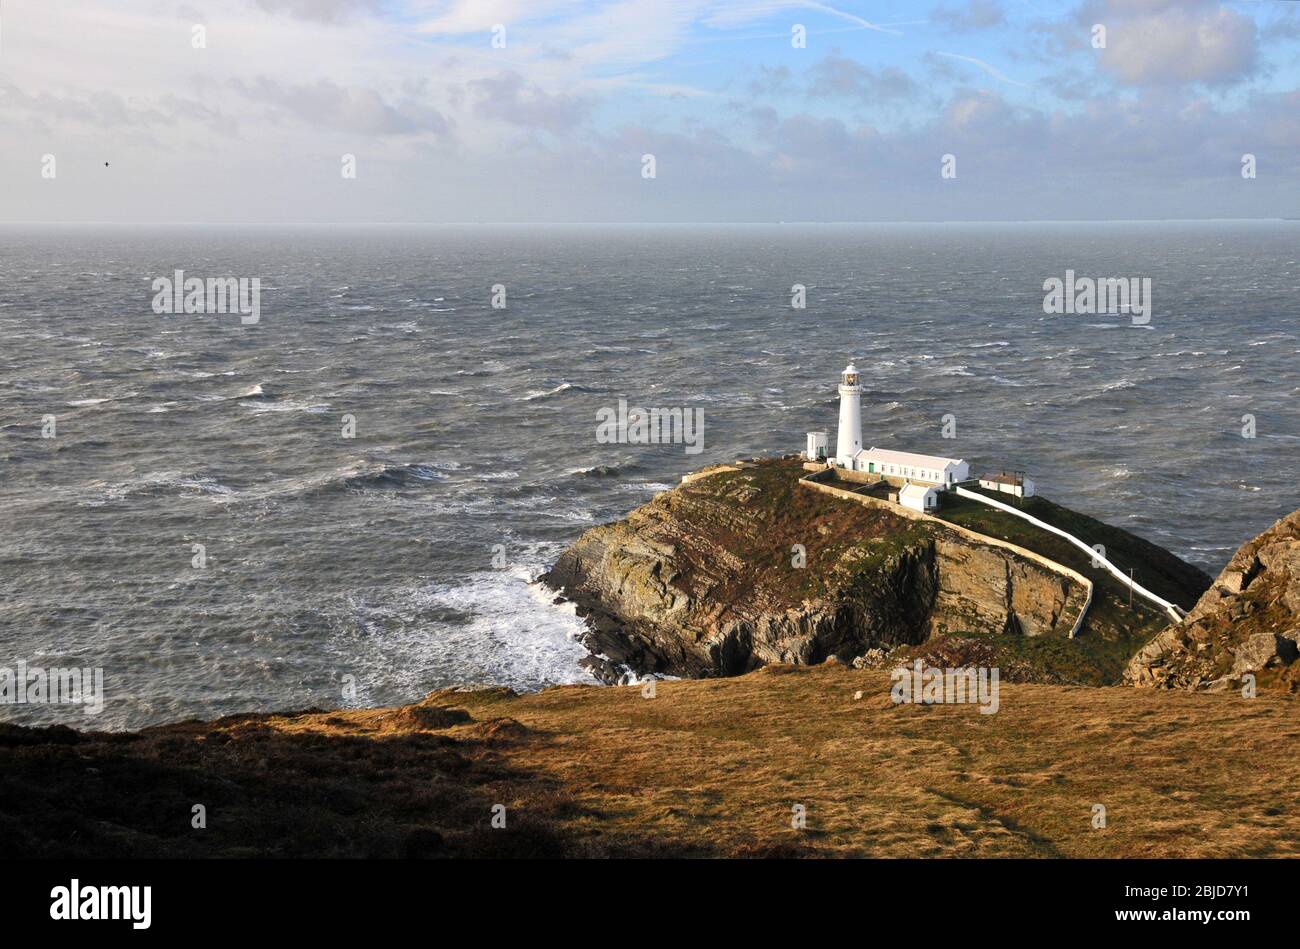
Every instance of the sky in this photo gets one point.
(545, 110)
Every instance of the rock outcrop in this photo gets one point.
(1248, 622)
(744, 568)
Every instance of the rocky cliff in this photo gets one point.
(1248, 622)
(744, 568)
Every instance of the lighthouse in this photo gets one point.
(849, 442)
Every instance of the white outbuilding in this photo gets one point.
(1008, 482)
(929, 469)
(919, 497)
(817, 442)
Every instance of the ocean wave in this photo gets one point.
(563, 387)
(511, 632)
(655, 486)
(155, 483)
(359, 475)
(84, 403)
(314, 408)
(603, 470)
(490, 368)
(374, 474)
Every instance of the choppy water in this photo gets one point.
(372, 557)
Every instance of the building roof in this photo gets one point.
(912, 490)
(1004, 477)
(906, 458)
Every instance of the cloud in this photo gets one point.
(1157, 42)
(479, 16)
(507, 97)
(322, 11)
(103, 110)
(839, 76)
(770, 80)
(348, 109)
(970, 17)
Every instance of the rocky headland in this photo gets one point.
(744, 566)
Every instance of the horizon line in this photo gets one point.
(763, 223)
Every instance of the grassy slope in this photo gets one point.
(1114, 629)
(707, 767)
(1154, 567)
(778, 514)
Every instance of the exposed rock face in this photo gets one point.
(702, 580)
(989, 588)
(1247, 622)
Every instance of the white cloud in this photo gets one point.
(1154, 42)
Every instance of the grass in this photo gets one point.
(717, 765)
(1114, 628)
(1088, 660)
(1154, 567)
(772, 514)
(705, 768)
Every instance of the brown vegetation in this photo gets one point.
(704, 768)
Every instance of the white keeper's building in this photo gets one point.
(929, 469)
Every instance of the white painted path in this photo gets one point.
(1173, 610)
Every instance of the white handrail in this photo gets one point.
(1170, 608)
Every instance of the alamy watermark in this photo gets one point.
(637, 426)
(78, 901)
(929, 685)
(1101, 295)
(37, 685)
(182, 294)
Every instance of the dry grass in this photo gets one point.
(713, 767)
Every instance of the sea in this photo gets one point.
(345, 502)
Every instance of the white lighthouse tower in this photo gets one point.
(849, 441)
